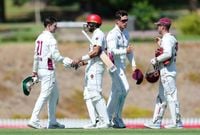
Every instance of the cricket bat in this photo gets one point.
(106, 60)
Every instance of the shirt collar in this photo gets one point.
(97, 29)
(117, 28)
(166, 34)
(47, 32)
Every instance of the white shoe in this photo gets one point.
(102, 125)
(153, 125)
(56, 126)
(170, 126)
(118, 123)
(89, 126)
(35, 125)
(177, 125)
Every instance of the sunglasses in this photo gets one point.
(123, 21)
(91, 24)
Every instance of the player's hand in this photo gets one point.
(76, 63)
(134, 68)
(158, 41)
(129, 49)
(34, 74)
(35, 77)
(82, 63)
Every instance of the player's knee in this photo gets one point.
(97, 98)
(160, 99)
(92, 94)
(123, 95)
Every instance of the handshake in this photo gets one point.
(76, 63)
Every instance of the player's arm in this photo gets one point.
(95, 52)
(164, 54)
(35, 62)
(131, 59)
(167, 51)
(98, 42)
(55, 54)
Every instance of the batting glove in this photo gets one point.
(154, 61)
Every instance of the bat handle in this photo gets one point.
(86, 35)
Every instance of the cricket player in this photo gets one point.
(45, 55)
(167, 86)
(119, 49)
(93, 97)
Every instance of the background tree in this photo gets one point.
(2, 11)
(106, 8)
(37, 11)
(145, 14)
(193, 5)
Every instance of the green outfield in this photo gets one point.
(100, 132)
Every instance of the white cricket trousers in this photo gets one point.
(167, 95)
(95, 102)
(48, 94)
(119, 90)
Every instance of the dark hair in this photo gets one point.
(49, 20)
(120, 13)
(167, 26)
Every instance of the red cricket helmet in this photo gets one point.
(94, 18)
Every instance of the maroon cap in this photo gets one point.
(138, 76)
(164, 21)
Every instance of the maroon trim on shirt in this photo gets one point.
(50, 64)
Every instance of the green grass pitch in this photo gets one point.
(99, 132)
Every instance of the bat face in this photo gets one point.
(103, 55)
(106, 60)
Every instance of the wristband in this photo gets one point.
(85, 57)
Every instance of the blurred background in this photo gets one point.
(20, 19)
(21, 22)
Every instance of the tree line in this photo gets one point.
(106, 7)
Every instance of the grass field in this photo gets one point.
(100, 132)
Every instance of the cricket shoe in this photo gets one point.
(35, 125)
(118, 123)
(178, 125)
(102, 125)
(56, 126)
(152, 125)
(90, 126)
